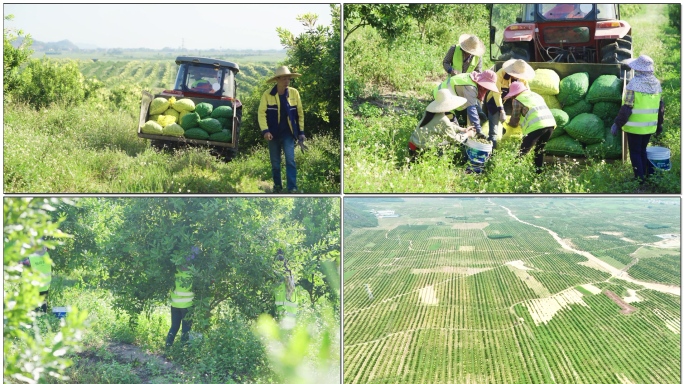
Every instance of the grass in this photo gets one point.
(385, 95)
(90, 149)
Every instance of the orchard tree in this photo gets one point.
(316, 55)
(319, 275)
(29, 356)
(13, 57)
(236, 237)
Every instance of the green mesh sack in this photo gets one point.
(573, 88)
(606, 111)
(560, 116)
(609, 148)
(223, 136)
(196, 133)
(204, 109)
(558, 131)
(605, 88)
(551, 101)
(587, 128)
(224, 121)
(191, 120)
(564, 145)
(210, 125)
(222, 111)
(579, 107)
(545, 82)
(561, 120)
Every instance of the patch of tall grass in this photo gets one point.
(91, 149)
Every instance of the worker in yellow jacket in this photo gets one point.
(281, 119)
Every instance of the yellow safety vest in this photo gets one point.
(42, 264)
(458, 59)
(538, 115)
(285, 307)
(182, 296)
(644, 117)
(453, 81)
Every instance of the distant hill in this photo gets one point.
(40, 46)
(356, 217)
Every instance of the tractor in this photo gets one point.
(200, 79)
(560, 33)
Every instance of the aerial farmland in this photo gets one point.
(512, 290)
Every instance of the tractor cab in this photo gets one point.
(561, 33)
(205, 78)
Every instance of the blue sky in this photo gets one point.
(197, 26)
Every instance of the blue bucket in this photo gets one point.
(659, 157)
(478, 154)
(61, 312)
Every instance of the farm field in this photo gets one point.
(70, 122)
(512, 290)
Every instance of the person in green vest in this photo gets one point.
(641, 114)
(535, 118)
(435, 129)
(40, 262)
(473, 87)
(286, 297)
(181, 300)
(511, 71)
(464, 57)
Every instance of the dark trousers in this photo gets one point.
(43, 307)
(178, 316)
(536, 139)
(637, 154)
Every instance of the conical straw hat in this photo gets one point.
(281, 72)
(471, 44)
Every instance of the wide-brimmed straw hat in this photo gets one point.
(471, 44)
(282, 72)
(518, 69)
(642, 63)
(515, 89)
(486, 79)
(445, 101)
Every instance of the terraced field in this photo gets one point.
(513, 290)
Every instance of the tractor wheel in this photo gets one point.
(514, 51)
(616, 56)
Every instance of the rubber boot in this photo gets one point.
(169, 339)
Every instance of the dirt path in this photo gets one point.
(600, 264)
(626, 308)
(150, 368)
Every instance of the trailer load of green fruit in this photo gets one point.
(589, 110)
(184, 118)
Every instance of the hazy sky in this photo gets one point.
(197, 26)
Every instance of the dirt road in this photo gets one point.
(615, 272)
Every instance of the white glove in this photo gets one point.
(502, 116)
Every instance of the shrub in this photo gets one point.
(674, 13)
(46, 82)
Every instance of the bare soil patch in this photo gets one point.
(544, 309)
(138, 359)
(427, 295)
(632, 297)
(469, 225)
(626, 308)
(466, 248)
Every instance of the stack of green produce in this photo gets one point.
(183, 118)
(584, 113)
